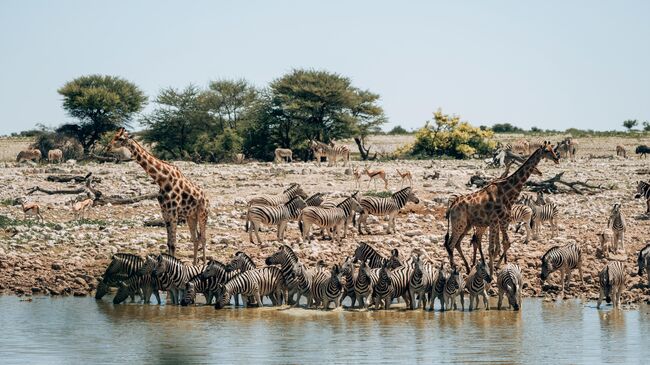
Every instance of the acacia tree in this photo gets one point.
(629, 124)
(180, 117)
(231, 101)
(101, 103)
(307, 105)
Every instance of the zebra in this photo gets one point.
(179, 274)
(121, 267)
(617, 224)
(287, 259)
(643, 191)
(612, 283)
(509, 282)
(291, 192)
(326, 287)
(521, 147)
(240, 261)
(522, 215)
(347, 270)
(328, 218)
(383, 289)
(453, 288)
(283, 154)
(643, 261)
(217, 271)
(206, 286)
(280, 216)
(314, 200)
(564, 258)
(422, 281)
(475, 284)
(332, 151)
(352, 212)
(364, 283)
(136, 283)
(266, 281)
(642, 150)
(385, 206)
(542, 213)
(365, 252)
(438, 288)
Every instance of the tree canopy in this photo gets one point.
(101, 103)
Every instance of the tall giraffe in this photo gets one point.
(179, 198)
(490, 208)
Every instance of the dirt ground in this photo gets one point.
(63, 256)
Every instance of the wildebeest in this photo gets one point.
(642, 150)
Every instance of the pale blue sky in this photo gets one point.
(550, 64)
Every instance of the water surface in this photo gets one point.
(82, 330)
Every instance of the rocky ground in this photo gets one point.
(63, 256)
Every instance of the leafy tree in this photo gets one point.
(231, 101)
(646, 126)
(180, 117)
(506, 128)
(101, 103)
(449, 136)
(398, 129)
(222, 148)
(630, 124)
(307, 105)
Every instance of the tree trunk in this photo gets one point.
(363, 151)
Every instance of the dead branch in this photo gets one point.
(67, 178)
(550, 186)
(51, 192)
(119, 200)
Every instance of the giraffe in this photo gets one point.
(490, 208)
(178, 197)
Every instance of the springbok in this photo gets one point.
(406, 175)
(79, 208)
(31, 209)
(376, 174)
(357, 177)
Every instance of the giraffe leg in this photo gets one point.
(191, 224)
(493, 248)
(506, 243)
(203, 223)
(170, 224)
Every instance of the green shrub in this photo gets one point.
(223, 148)
(398, 129)
(452, 137)
(47, 141)
(506, 128)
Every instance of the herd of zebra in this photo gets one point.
(366, 277)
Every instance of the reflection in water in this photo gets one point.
(72, 330)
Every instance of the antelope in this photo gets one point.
(406, 175)
(31, 209)
(379, 174)
(80, 208)
(357, 177)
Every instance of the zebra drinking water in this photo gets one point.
(475, 284)
(121, 267)
(178, 272)
(612, 283)
(509, 282)
(454, 288)
(422, 281)
(266, 281)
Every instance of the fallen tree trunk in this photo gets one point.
(550, 186)
(68, 178)
(107, 158)
(51, 192)
(118, 200)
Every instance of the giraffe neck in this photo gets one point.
(150, 164)
(516, 181)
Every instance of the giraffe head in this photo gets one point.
(549, 152)
(120, 138)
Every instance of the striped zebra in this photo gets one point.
(475, 284)
(217, 271)
(612, 283)
(280, 216)
(643, 191)
(564, 258)
(199, 284)
(385, 206)
(328, 218)
(291, 192)
(522, 215)
(438, 289)
(326, 287)
(314, 200)
(331, 151)
(240, 261)
(422, 281)
(266, 281)
(509, 282)
(383, 289)
(365, 252)
(347, 270)
(136, 283)
(178, 272)
(121, 267)
(617, 224)
(287, 259)
(542, 213)
(521, 147)
(643, 261)
(453, 288)
(364, 282)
